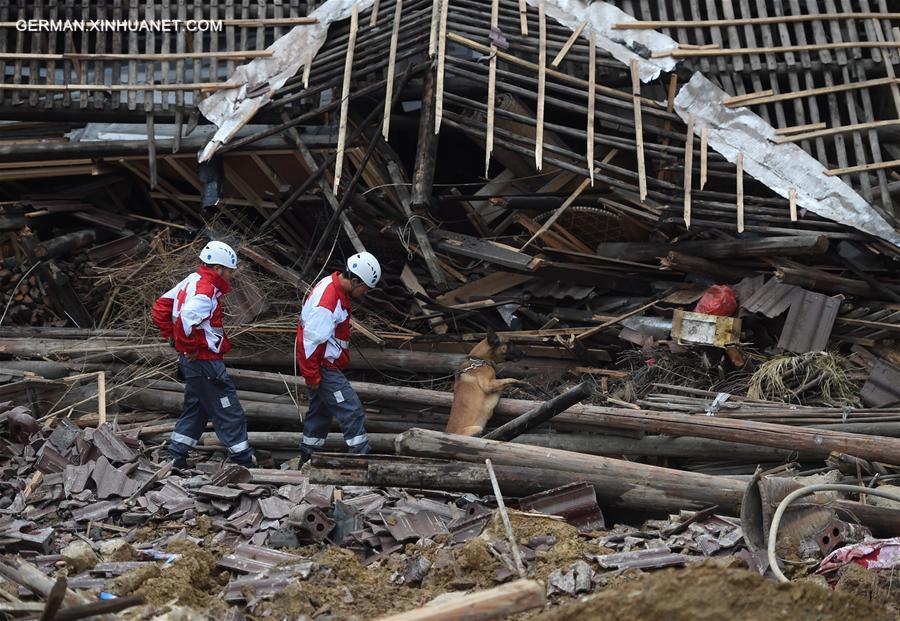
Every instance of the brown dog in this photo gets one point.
(477, 389)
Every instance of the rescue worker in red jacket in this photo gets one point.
(190, 316)
(323, 351)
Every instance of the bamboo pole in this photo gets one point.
(497, 603)
(556, 214)
(501, 506)
(784, 49)
(523, 18)
(688, 169)
(841, 129)
(435, 19)
(441, 63)
(750, 21)
(638, 129)
(345, 99)
(238, 55)
(765, 97)
(740, 191)
(704, 151)
(392, 67)
(542, 86)
(568, 45)
(492, 91)
(862, 168)
(591, 95)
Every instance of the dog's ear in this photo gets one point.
(492, 339)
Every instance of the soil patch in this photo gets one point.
(188, 581)
(878, 587)
(711, 593)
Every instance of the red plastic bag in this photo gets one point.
(718, 300)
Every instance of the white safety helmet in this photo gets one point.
(218, 253)
(366, 267)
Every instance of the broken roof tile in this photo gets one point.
(111, 481)
(111, 445)
(250, 559)
(577, 502)
(95, 512)
(275, 508)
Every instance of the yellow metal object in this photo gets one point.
(701, 329)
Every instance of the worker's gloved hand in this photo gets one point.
(312, 386)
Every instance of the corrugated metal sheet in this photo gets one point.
(555, 289)
(883, 386)
(772, 299)
(809, 322)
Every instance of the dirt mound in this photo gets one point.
(188, 582)
(711, 593)
(871, 585)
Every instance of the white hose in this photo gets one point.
(806, 491)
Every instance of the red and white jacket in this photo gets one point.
(191, 313)
(323, 332)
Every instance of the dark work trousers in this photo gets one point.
(334, 397)
(209, 394)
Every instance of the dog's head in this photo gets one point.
(496, 348)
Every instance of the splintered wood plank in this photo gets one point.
(435, 20)
(740, 191)
(492, 284)
(492, 91)
(523, 18)
(542, 86)
(441, 63)
(688, 169)
(409, 280)
(704, 148)
(392, 68)
(592, 101)
(559, 211)
(568, 44)
(345, 99)
(792, 200)
(638, 129)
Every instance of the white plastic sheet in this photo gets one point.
(232, 109)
